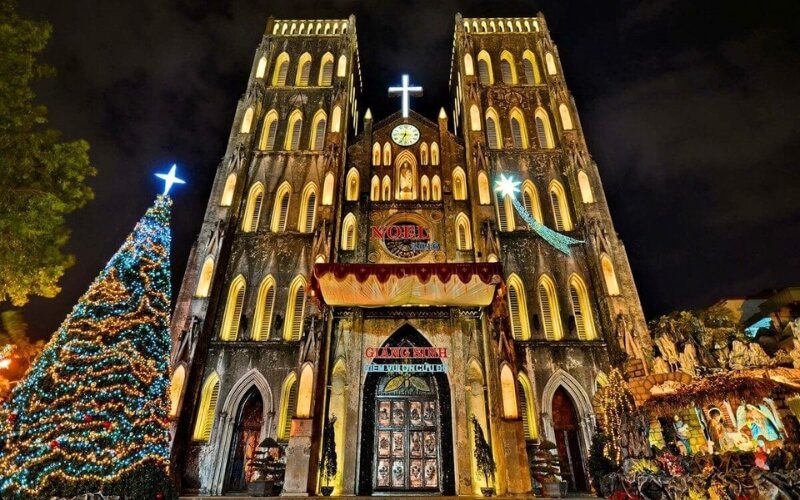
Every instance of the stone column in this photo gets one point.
(298, 458)
(515, 456)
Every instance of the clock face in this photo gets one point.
(405, 134)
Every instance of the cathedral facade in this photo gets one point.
(360, 282)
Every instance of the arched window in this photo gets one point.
(303, 70)
(509, 392)
(519, 132)
(318, 125)
(261, 68)
(463, 233)
(327, 189)
(227, 191)
(459, 184)
(325, 70)
(233, 309)
(207, 407)
(558, 199)
(265, 306)
(507, 68)
(247, 121)
(474, 118)
(532, 76)
(269, 131)
(485, 68)
(505, 213)
(304, 392)
(386, 188)
(527, 408)
(206, 273)
(434, 153)
(308, 209)
(341, 70)
(581, 309)
(423, 153)
(280, 210)
(436, 188)
(352, 185)
(376, 154)
(295, 309)
(530, 200)
(288, 406)
(518, 309)
(484, 193)
(375, 189)
(252, 211)
(550, 62)
(566, 118)
(349, 233)
(543, 131)
(293, 130)
(548, 306)
(387, 153)
(585, 187)
(493, 137)
(336, 119)
(469, 70)
(175, 389)
(425, 188)
(281, 70)
(609, 275)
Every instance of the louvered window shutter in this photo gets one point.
(580, 326)
(291, 404)
(297, 314)
(305, 71)
(540, 133)
(327, 73)
(523, 409)
(349, 236)
(236, 315)
(516, 133)
(501, 212)
(505, 69)
(555, 200)
(211, 407)
(266, 314)
(282, 72)
(319, 136)
(491, 133)
(284, 213)
(462, 237)
(528, 202)
(513, 305)
(271, 134)
(529, 75)
(298, 126)
(483, 72)
(256, 214)
(547, 313)
(311, 205)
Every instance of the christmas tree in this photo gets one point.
(92, 411)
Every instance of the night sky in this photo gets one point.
(690, 110)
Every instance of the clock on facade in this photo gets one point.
(405, 134)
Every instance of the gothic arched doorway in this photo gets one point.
(246, 437)
(406, 440)
(568, 440)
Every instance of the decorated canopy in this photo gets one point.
(382, 285)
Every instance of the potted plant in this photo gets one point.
(327, 464)
(483, 457)
(269, 466)
(546, 471)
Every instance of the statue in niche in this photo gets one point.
(406, 181)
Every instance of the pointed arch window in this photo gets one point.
(247, 121)
(485, 68)
(493, 137)
(308, 209)
(434, 153)
(336, 119)
(423, 153)
(261, 68)
(341, 70)
(293, 130)
(386, 189)
(295, 310)
(469, 68)
(474, 118)
(280, 211)
(463, 232)
(352, 185)
(375, 189)
(176, 389)
(206, 273)
(558, 199)
(484, 193)
(326, 70)
(459, 184)
(531, 68)
(505, 213)
(425, 188)
(519, 133)
(252, 211)
(281, 70)
(581, 309)
(543, 131)
(387, 154)
(265, 307)
(288, 406)
(227, 191)
(376, 154)
(318, 126)
(585, 187)
(233, 309)
(327, 189)
(304, 392)
(566, 118)
(530, 200)
(436, 188)
(303, 70)
(508, 69)
(609, 275)
(269, 131)
(207, 408)
(527, 408)
(509, 392)
(548, 306)
(349, 233)
(550, 62)
(518, 309)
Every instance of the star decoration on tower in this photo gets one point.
(170, 179)
(506, 186)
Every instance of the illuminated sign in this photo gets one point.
(406, 368)
(404, 355)
(404, 239)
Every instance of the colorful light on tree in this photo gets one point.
(94, 406)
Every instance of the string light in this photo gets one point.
(95, 405)
(618, 406)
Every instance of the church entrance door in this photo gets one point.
(567, 430)
(246, 436)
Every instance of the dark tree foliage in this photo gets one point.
(483, 453)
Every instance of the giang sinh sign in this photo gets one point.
(406, 359)
(404, 239)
